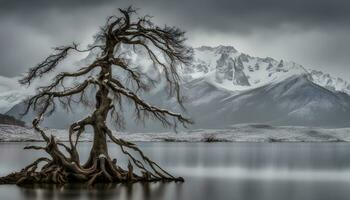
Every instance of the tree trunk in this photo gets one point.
(99, 147)
(99, 143)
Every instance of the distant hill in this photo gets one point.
(6, 119)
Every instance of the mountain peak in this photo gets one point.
(250, 72)
(221, 49)
(225, 49)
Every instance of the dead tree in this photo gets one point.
(99, 76)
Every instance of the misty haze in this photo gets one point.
(175, 100)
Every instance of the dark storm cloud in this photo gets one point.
(34, 5)
(208, 13)
(30, 28)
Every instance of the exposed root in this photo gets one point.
(99, 169)
(156, 172)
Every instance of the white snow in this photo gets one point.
(259, 71)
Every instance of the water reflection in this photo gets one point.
(138, 191)
(288, 171)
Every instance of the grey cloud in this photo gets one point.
(220, 14)
(30, 28)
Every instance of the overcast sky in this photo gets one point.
(314, 33)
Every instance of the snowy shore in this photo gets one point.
(237, 133)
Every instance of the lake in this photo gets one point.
(212, 171)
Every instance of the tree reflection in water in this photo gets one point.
(136, 191)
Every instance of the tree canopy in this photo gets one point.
(163, 46)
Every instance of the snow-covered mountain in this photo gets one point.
(225, 87)
(235, 71)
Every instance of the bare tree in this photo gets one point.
(99, 76)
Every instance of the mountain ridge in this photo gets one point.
(225, 87)
(259, 70)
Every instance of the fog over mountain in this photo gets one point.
(224, 87)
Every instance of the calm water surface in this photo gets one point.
(212, 171)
